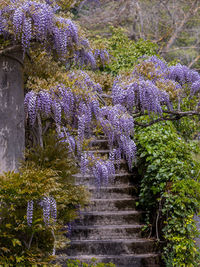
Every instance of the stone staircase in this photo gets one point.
(110, 229)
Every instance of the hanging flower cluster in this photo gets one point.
(29, 212)
(152, 84)
(74, 102)
(77, 105)
(150, 87)
(183, 74)
(102, 56)
(103, 170)
(195, 87)
(49, 208)
(29, 20)
(118, 126)
(139, 95)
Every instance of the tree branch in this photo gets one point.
(7, 53)
(10, 49)
(183, 113)
(194, 61)
(173, 116)
(192, 11)
(178, 48)
(156, 121)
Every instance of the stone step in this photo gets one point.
(106, 232)
(123, 166)
(112, 204)
(123, 260)
(119, 167)
(110, 247)
(122, 178)
(110, 192)
(109, 218)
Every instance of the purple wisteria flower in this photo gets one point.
(38, 21)
(183, 74)
(49, 208)
(29, 212)
(195, 87)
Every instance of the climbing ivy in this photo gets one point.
(169, 191)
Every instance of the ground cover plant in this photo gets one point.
(63, 99)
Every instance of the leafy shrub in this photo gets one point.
(169, 191)
(46, 174)
(125, 52)
(93, 263)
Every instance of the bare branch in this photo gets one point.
(10, 49)
(183, 113)
(173, 116)
(180, 47)
(194, 61)
(192, 11)
(156, 121)
(7, 52)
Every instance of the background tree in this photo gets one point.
(173, 25)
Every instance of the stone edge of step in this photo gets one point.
(105, 227)
(146, 255)
(116, 241)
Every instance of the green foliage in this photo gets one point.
(125, 52)
(93, 263)
(19, 243)
(170, 190)
(188, 127)
(47, 172)
(54, 155)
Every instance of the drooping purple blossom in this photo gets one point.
(46, 207)
(101, 55)
(49, 208)
(29, 212)
(116, 122)
(84, 163)
(195, 87)
(30, 104)
(183, 74)
(84, 57)
(158, 63)
(37, 21)
(53, 208)
(140, 95)
(66, 137)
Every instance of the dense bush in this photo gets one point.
(93, 263)
(30, 236)
(169, 191)
(124, 52)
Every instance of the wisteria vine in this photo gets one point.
(30, 21)
(76, 109)
(153, 84)
(49, 208)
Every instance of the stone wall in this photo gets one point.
(12, 133)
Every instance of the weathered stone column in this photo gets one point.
(12, 133)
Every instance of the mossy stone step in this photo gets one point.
(110, 247)
(112, 204)
(96, 232)
(122, 260)
(109, 218)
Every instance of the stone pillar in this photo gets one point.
(12, 131)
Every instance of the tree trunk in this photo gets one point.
(12, 131)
